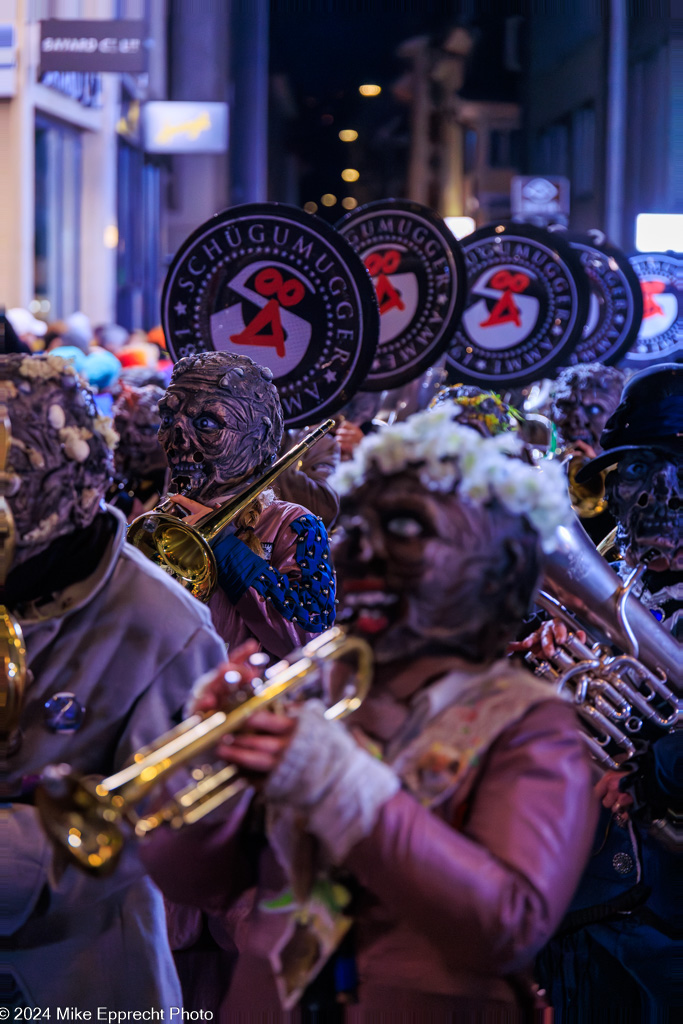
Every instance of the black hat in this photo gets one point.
(649, 415)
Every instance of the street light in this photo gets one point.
(350, 174)
(348, 135)
(369, 90)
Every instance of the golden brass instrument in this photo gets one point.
(12, 650)
(184, 551)
(619, 697)
(588, 499)
(86, 818)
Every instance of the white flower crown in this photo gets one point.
(448, 455)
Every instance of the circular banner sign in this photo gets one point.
(615, 307)
(418, 270)
(527, 304)
(660, 338)
(283, 287)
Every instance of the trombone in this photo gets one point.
(87, 818)
(185, 551)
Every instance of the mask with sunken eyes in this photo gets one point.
(221, 422)
(420, 568)
(136, 418)
(60, 458)
(585, 396)
(644, 494)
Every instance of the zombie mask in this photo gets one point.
(421, 569)
(136, 418)
(585, 396)
(60, 459)
(644, 494)
(221, 422)
(439, 536)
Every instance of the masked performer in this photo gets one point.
(221, 428)
(140, 467)
(584, 397)
(111, 644)
(307, 482)
(620, 950)
(448, 826)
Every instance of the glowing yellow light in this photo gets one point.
(349, 203)
(328, 199)
(348, 135)
(499, 230)
(350, 174)
(310, 207)
(111, 236)
(369, 90)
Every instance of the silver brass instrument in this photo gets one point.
(620, 697)
(86, 818)
(184, 551)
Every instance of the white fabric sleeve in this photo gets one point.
(334, 782)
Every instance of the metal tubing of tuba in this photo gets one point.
(184, 551)
(87, 818)
(620, 697)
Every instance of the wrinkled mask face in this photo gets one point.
(645, 494)
(413, 566)
(581, 413)
(211, 439)
(60, 460)
(136, 418)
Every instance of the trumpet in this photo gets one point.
(88, 818)
(185, 551)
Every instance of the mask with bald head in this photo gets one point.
(221, 422)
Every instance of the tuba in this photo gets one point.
(623, 699)
(184, 551)
(87, 818)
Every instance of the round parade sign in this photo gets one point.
(615, 307)
(283, 287)
(526, 307)
(660, 338)
(418, 270)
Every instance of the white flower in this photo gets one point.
(449, 455)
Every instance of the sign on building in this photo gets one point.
(93, 46)
(540, 200)
(175, 127)
(8, 60)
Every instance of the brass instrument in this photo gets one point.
(184, 551)
(588, 499)
(12, 650)
(84, 817)
(620, 697)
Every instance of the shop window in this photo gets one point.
(57, 218)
